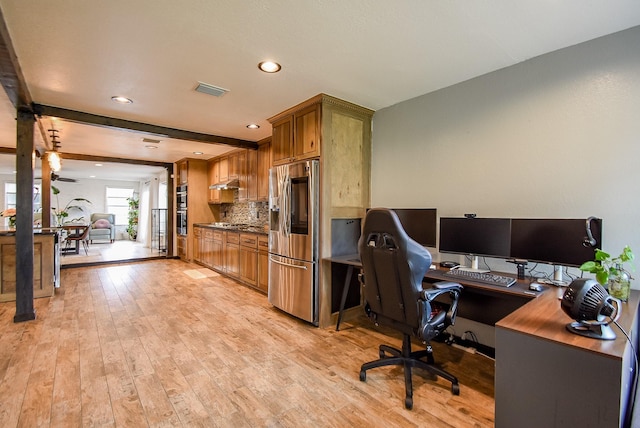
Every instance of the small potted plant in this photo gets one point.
(610, 272)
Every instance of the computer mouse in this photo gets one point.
(535, 286)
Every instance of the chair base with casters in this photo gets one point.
(390, 356)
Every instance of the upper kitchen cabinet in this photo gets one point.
(217, 196)
(264, 163)
(296, 134)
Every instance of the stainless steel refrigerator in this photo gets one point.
(293, 239)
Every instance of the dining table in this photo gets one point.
(73, 231)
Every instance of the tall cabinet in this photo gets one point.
(339, 134)
(192, 173)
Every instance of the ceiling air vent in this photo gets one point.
(205, 88)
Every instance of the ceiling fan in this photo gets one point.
(56, 177)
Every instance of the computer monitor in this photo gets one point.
(475, 237)
(419, 223)
(555, 241)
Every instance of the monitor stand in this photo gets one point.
(474, 266)
(557, 276)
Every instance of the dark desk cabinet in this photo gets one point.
(549, 377)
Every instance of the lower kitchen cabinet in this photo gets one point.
(198, 244)
(217, 251)
(249, 258)
(232, 254)
(242, 256)
(263, 264)
(181, 243)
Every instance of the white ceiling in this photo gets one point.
(78, 54)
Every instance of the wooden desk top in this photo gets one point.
(545, 319)
(519, 289)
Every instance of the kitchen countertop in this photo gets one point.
(235, 227)
(11, 232)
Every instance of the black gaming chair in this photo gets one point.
(394, 266)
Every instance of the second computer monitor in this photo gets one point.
(555, 241)
(475, 236)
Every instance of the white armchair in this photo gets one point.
(103, 227)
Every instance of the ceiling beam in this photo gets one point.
(10, 73)
(13, 81)
(128, 125)
(92, 158)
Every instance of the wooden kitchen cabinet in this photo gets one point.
(232, 254)
(296, 135)
(249, 258)
(181, 244)
(198, 210)
(252, 175)
(207, 247)
(306, 140)
(217, 250)
(263, 264)
(282, 140)
(263, 165)
(217, 196)
(213, 177)
(223, 169)
(235, 168)
(183, 171)
(198, 244)
(242, 176)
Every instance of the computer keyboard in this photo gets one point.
(483, 277)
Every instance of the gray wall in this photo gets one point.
(556, 136)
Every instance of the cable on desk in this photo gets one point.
(628, 416)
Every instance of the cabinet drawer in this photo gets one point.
(263, 243)
(217, 235)
(208, 234)
(233, 238)
(249, 240)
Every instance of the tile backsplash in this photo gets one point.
(252, 213)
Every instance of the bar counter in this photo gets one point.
(44, 262)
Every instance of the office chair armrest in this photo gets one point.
(440, 288)
(443, 287)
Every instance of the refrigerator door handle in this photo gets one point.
(287, 264)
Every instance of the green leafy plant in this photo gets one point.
(132, 228)
(62, 213)
(605, 266)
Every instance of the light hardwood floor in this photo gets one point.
(100, 252)
(167, 343)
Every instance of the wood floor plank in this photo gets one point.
(144, 344)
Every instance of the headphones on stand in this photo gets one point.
(589, 240)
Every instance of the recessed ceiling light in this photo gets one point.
(151, 147)
(122, 100)
(92, 176)
(269, 66)
(98, 164)
(253, 126)
(197, 153)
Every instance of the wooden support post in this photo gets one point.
(24, 216)
(45, 189)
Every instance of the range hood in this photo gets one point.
(231, 184)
